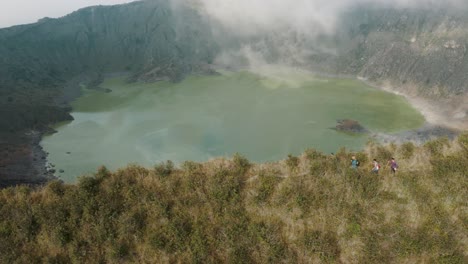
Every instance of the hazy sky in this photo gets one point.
(14, 12)
(246, 14)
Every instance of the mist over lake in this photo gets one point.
(264, 117)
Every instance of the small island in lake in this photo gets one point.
(349, 125)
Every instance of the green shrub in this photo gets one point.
(292, 162)
(267, 186)
(392, 147)
(369, 185)
(270, 237)
(121, 249)
(90, 185)
(241, 163)
(158, 239)
(225, 188)
(382, 154)
(445, 166)
(353, 229)
(407, 150)
(64, 235)
(192, 168)
(239, 254)
(325, 244)
(436, 146)
(24, 190)
(463, 141)
(362, 158)
(451, 258)
(103, 173)
(199, 246)
(342, 156)
(317, 168)
(56, 187)
(164, 169)
(312, 155)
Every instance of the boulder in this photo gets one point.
(349, 125)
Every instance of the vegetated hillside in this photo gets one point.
(420, 52)
(306, 209)
(149, 38)
(44, 65)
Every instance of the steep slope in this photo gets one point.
(426, 47)
(308, 209)
(420, 53)
(143, 37)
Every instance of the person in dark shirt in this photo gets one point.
(393, 165)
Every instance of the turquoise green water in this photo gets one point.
(263, 118)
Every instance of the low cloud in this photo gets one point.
(248, 17)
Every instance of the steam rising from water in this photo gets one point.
(287, 32)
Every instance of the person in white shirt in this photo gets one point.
(376, 167)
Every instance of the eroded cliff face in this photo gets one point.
(419, 53)
(153, 39)
(425, 47)
(136, 37)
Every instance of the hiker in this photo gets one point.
(376, 167)
(354, 162)
(393, 165)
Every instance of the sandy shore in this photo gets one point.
(417, 136)
(450, 112)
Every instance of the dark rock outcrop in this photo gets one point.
(21, 160)
(349, 125)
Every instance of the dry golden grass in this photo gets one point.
(308, 209)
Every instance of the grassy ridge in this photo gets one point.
(311, 208)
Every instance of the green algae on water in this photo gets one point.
(264, 117)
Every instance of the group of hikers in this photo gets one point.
(375, 165)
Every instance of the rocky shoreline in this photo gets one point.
(23, 160)
(418, 136)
